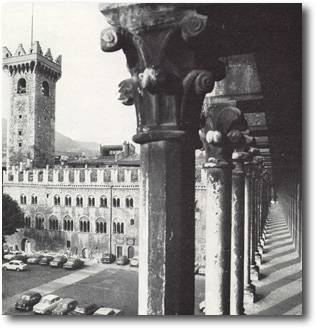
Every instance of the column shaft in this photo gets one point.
(166, 250)
(237, 242)
(218, 240)
(249, 289)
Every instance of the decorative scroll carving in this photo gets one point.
(170, 71)
(193, 26)
(110, 40)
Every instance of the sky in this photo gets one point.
(87, 108)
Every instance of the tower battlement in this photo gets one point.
(34, 60)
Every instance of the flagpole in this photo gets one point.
(32, 24)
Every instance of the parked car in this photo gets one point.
(107, 311)
(47, 304)
(85, 309)
(202, 270)
(34, 259)
(122, 260)
(202, 306)
(21, 257)
(58, 261)
(15, 265)
(73, 264)
(11, 255)
(134, 262)
(107, 258)
(65, 306)
(27, 301)
(45, 260)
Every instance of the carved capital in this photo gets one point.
(171, 62)
(224, 133)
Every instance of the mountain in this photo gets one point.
(63, 145)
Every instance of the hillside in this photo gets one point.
(63, 144)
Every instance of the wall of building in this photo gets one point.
(18, 183)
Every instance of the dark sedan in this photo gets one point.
(107, 258)
(45, 260)
(122, 260)
(58, 261)
(27, 301)
(73, 264)
(34, 259)
(85, 309)
(21, 257)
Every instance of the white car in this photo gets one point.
(15, 265)
(47, 304)
(108, 311)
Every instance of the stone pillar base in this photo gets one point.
(258, 259)
(254, 273)
(249, 294)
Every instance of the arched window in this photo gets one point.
(27, 222)
(39, 222)
(45, 89)
(118, 227)
(129, 202)
(68, 224)
(116, 202)
(103, 201)
(132, 222)
(91, 201)
(23, 199)
(56, 200)
(84, 225)
(21, 88)
(34, 200)
(79, 201)
(53, 223)
(100, 226)
(67, 200)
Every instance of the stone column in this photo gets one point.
(172, 67)
(249, 288)
(237, 242)
(254, 270)
(219, 141)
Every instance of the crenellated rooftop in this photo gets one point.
(83, 177)
(35, 59)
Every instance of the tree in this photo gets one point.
(12, 216)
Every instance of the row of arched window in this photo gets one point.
(21, 87)
(129, 202)
(68, 224)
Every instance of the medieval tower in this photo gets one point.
(31, 127)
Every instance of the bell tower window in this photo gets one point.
(21, 86)
(45, 89)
